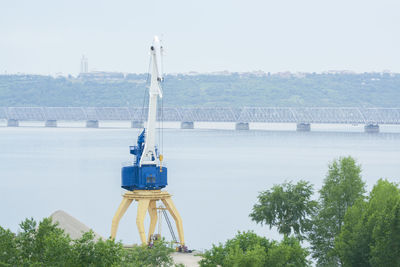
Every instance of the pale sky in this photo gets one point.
(50, 36)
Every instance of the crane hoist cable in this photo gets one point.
(162, 99)
(161, 104)
(161, 125)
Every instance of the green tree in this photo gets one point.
(90, 252)
(352, 244)
(43, 244)
(8, 248)
(51, 245)
(249, 249)
(108, 253)
(342, 187)
(370, 235)
(287, 253)
(25, 241)
(287, 206)
(158, 256)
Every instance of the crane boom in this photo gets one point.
(149, 153)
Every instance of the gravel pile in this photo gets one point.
(70, 225)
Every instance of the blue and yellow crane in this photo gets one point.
(145, 178)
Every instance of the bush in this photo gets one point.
(249, 249)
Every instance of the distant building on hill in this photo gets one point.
(97, 75)
(84, 64)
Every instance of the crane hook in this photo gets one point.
(160, 157)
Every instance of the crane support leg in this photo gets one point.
(143, 205)
(147, 200)
(153, 218)
(118, 215)
(169, 204)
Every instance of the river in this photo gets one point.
(214, 175)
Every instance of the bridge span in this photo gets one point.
(303, 117)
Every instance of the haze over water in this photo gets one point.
(214, 175)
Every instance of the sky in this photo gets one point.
(50, 37)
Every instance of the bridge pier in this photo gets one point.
(242, 126)
(92, 124)
(187, 125)
(12, 123)
(137, 124)
(371, 128)
(303, 127)
(50, 123)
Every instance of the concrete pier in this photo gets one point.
(51, 123)
(303, 127)
(137, 124)
(12, 123)
(242, 126)
(92, 124)
(371, 128)
(187, 125)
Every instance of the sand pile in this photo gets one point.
(70, 225)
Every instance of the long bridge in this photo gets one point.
(303, 117)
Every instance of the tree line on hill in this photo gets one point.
(223, 90)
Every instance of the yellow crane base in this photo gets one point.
(147, 202)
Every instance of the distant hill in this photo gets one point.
(215, 89)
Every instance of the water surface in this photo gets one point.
(214, 175)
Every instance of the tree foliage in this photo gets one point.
(249, 249)
(45, 244)
(8, 248)
(370, 235)
(158, 256)
(342, 187)
(287, 206)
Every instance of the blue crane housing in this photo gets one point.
(145, 177)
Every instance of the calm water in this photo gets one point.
(214, 175)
